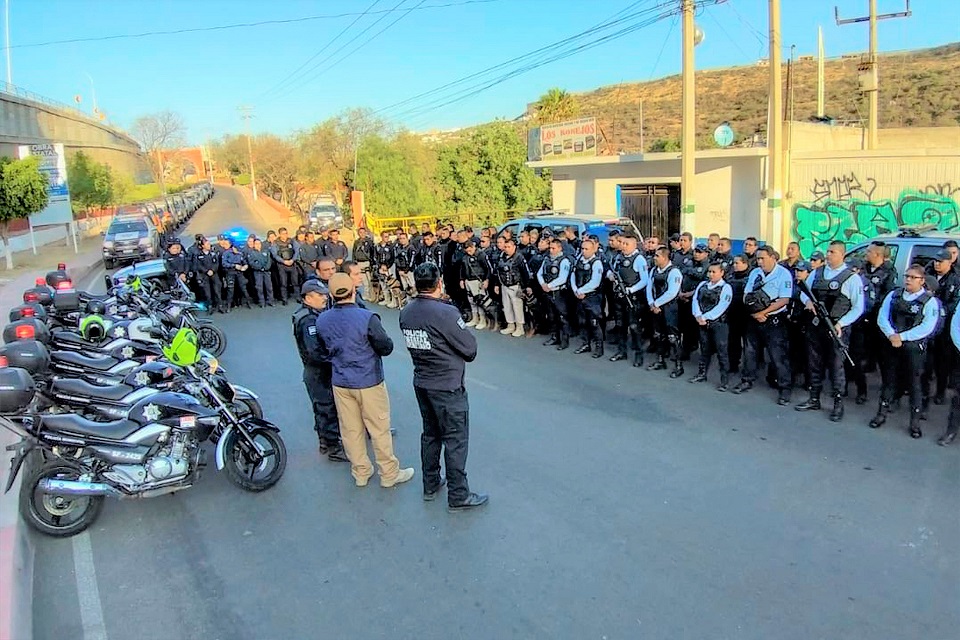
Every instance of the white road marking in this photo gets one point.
(481, 383)
(91, 609)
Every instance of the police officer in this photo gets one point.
(953, 421)
(694, 271)
(553, 276)
(630, 277)
(908, 317)
(335, 248)
(662, 292)
(940, 360)
(383, 264)
(475, 279)
(440, 346)
(234, 267)
(261, 262)
(840, 290)
(404, 256)
(206, 265)
(316, 371)
(737, 316)
(363, 255)
(585, 284)
(430, 251)
(750, 250)
(711, 299)
(722, 256)
(512, 279)
(284, 252)
(880, 277)
(176, 263)
(766, 295)
(307, 255)
(793, 257)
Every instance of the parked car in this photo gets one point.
(324, 216)
(585, 224)
(910, 245)
(130, 238)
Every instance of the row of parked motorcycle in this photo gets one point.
(115, 395)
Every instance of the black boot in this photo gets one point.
(677, 368)
(638, 358)
(881, 416)
(564, 342)
(810, 404)
(701, 375)
(915, 418)
(924, 408)
(618, 356)
(724, 382)
(246, 303)
(551, 341)
(952, 422)
(584, 348)
(597, 349)
(837, 414)
(659, 365)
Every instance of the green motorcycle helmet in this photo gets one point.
(183, 350)
(94, 327)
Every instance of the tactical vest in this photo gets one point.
(551, 268)
(693, 274)
(285, 249)
(472, 266)
(626, 271)
(708, 298)
(661, 281)
(828, 292)
(584, 271)
(508, 270)
(873, 292)
(907, 314)
(404, 257)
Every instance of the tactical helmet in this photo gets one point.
(96, 307)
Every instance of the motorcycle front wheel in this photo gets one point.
(255, 471)
(211, 338)
(56, 515)
(244, 407)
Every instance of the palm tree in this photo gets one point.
(556, 105)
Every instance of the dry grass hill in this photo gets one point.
(918, 88)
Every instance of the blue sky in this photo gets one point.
(205, 76)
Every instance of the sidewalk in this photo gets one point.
(16, 548)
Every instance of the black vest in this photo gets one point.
(828, 292)
(876, 283)
(708, 298)
(404, 257)
(473, 266)
(907, 314)
(285, 249)
(509, 269)
(584, 271)
(661, 282)
(626, 271)
(551, 268)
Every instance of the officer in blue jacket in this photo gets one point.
(234, 268)
(440, 345)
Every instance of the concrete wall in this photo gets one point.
(806, 136)
(25, 121)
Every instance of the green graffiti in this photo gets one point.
(816, 224)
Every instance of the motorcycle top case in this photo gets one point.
(56, 277)
(18, 312)
(16, 390)
(40, 294)
(26, 329)
(66, 300)
(29, 355)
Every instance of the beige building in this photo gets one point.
(833, 188)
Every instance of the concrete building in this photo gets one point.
(833, 188)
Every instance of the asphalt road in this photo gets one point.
(623, 505)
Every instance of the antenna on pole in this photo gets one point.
(246, 113)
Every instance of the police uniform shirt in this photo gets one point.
(726, 297)
(931, 315)
(640, 266)
(596, 276)
(776, 284)
(305, 333)
(279, 247)
(336, 250)
(439, 343)
(852, 289)
(674, 278)
(561, 279)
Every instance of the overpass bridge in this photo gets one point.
(28, 118)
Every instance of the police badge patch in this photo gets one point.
(461, 323)
(914, 308)
(834, 285)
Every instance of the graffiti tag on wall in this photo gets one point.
(843, 208)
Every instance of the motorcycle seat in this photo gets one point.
(77, 387)
(86, 296)
(73, 423)
(97, 363)
(68, 337)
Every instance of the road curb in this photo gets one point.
(16, 546)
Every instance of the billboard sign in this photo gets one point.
(53, 165)
(573, 139)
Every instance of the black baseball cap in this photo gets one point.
(313, 286)
(942, 255)
(701, 248)
(817, 255)
(803, 265)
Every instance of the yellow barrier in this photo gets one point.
(473, 219)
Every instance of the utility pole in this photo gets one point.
(247, 113)
(688, 144)
(643, 147)
(772, 231)
(6, 28)
(869, 77)
(820, 83)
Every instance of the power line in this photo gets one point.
(241, 25)
(673, 25)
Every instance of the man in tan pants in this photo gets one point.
(354, 342)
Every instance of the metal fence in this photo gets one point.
(475, 219)
(20, 92)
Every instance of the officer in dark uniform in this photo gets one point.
(908, 317)
(261, 262)
(512, 278)
(430, 251)
(629, 275)
(750, 250)
(404, 256)
(383, 265)
(940, 360)
(317, 373)
(880, 277)
(474, 280)
(722, 257)
(206, 265)
(363, 256)
(737, 316)
(176, 263)
(335, 248)
(553, 278)
(586, 285)
(799, 323)
(308, 254)
(711, 299)
(440, 345)
(235, 268)
(284, 252)
(953, 421)
(662, 291)
(840, 290)
(694, 271)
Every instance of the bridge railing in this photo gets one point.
(20, 92)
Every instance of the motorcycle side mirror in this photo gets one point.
(108, 281)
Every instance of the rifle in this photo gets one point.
(823, 318)
(620, 288)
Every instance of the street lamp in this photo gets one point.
(93, 90)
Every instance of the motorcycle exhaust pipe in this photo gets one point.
(76, 488)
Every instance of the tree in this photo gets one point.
(275, 163)
(230, 154)
(665, 144)
(23, 192)
(556, 105)
(397, 175)
(155, 132)
(91, 183)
